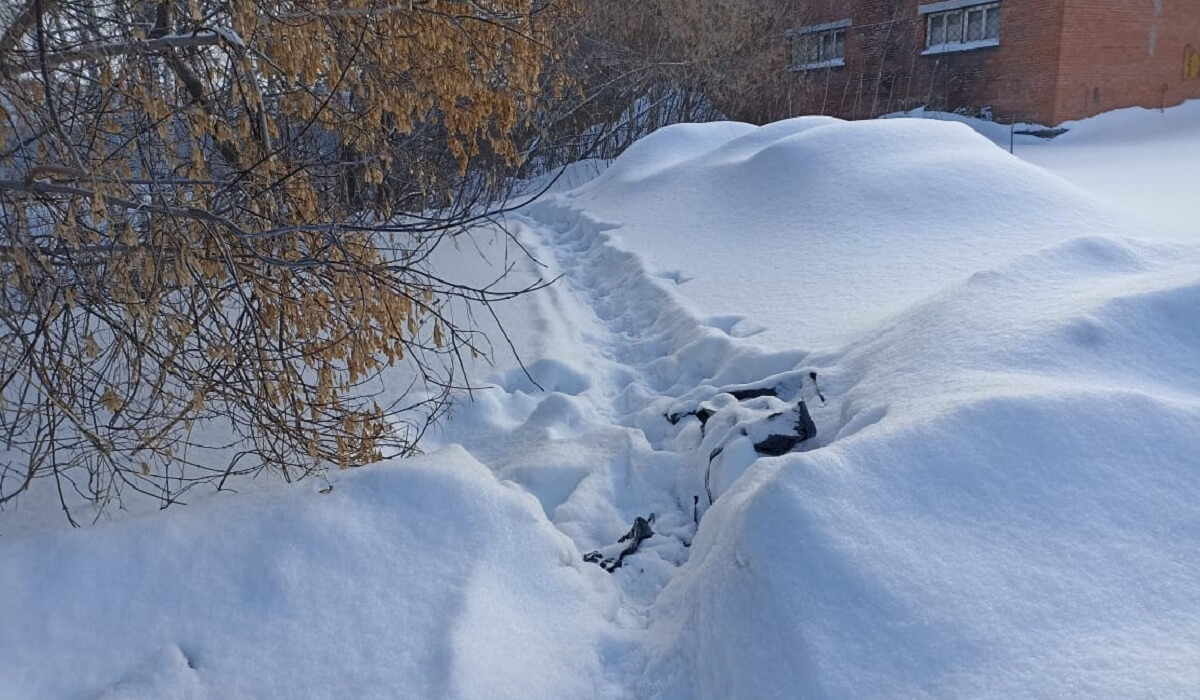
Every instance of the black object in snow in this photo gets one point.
(813, 376)
(640, 532)
(746, 394)
(776, 445)
(703, 414)
(805, 427)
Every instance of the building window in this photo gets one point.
(819, 46)
(961, 25)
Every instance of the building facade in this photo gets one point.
(1039, 61)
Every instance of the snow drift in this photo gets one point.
(417, 580)
(1142, 161)
(818, 228)
(1009, 510)
(1001, 499)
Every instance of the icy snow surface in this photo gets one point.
(1002, 500)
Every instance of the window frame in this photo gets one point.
(941, 16)
(814, 36)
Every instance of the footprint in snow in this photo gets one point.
(675, 276)
(734, 326)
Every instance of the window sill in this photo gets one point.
(950, 5)
(835, 63)
(963, 46)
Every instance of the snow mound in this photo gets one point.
(671, 147)
(778, 221)
(1008, 509)
(423, 579)
(1009, 547)
(1176, 126)
(1142, 160)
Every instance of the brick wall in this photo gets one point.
(1123, 53)
(881, 71)
(886, 70)
(1017, 79)
(1057, 60)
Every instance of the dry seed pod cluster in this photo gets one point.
(217, 219)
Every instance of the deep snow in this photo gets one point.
(1002, 499)
(414, 580)
(816, 229)
(1140, 160)
(1143, 160)
(1008, 510)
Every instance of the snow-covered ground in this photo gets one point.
(1144, 160)
(1141, 160)
(1002, 498)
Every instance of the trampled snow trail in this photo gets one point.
(648, 358)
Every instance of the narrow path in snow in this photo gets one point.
(661, 367)
(641, 409)
(637, 331)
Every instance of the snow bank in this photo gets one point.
(1008, 509)
(1140, 160)
(670, 147)
(818, 229)
(1002, 500)
(422, 579)
(1010, 547)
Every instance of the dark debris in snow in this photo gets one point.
(640, 532)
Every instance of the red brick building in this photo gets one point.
(1042, 61)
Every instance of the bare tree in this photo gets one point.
(640, 66)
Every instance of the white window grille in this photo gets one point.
(819, 46)
(959, 25)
